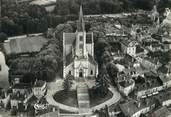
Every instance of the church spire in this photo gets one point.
(81, 25)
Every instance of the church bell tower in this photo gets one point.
(81, 37)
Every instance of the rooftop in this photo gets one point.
(24, 44)
(39, 83)
(163, 96)
(162, 112)
(70, 38)
(18, 96)
(165, 78)
(147, 83)
(126, 83)
(131, 107)
(21, 86)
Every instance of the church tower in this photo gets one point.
(78, 52)
(81, 37)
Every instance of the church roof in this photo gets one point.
(71, 37)
(91, 59)
(69, 59)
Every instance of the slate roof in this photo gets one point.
(24, 45)
(163, 96)
(21, 86)
(69, 59)
(70, 38)
(91, 60)
(131, 107)
(162, 112)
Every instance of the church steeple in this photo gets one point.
(81, 24)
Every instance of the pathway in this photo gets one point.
(83, 98)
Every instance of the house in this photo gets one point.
(135, 108)
(126, 87)
(128, 46)
(149, 63)
(166, 80)
(161, 112)
(166, 45)
(21, 92)
(17, 99)
(147, 86)
(39, 88)
(167, 20)
(136, 70)
(22, 88)
(164, 98)
(78, 52)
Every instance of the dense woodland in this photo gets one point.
(23, 18)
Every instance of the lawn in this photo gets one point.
(69, 99)
(96, 100)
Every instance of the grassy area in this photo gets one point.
(96, 100)
(69, 99)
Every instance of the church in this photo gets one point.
(78, 52)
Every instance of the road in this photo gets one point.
(4, 72)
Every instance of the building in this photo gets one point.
(161, 112)
(17, 99)
(166, 80)
(39, 88)
(21, 93)
(147, 86)
(136, 108)
(78, 52)
(149, 63)
(22, 88)
(166, 21)
(128, 46)
(154, 14)
(164, 98)
(126, 87)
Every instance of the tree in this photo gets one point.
(29, 78)
(3, 37)
(102, 84)
(112, 71)
(67, 84)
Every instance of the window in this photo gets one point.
(91, 72)
(69, 72)
(81, 38)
